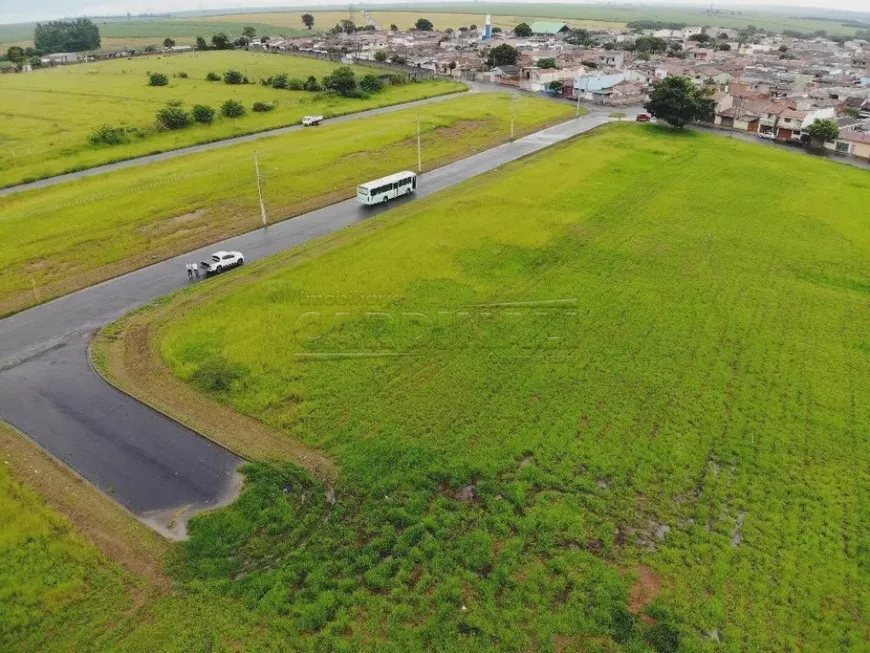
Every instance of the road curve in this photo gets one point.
(152, 465)
(204, 147)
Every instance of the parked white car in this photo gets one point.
(308, 121)
(767, 135)
(221, 261)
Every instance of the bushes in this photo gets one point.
(342, 81)
(232, 109)
(213, 77)
(311, 84)
(234, 77)
(157, 79)
(280, 81)
(173, 116)
(203, 114)
(109, 135)
(183, 75)
(217, 374)
(263, 107)
(371, 84)
(296, 84)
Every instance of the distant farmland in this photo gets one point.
(610, 394)
(50, 114)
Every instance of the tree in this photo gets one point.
(203, 114)
(157, 79)
(523, 30)
(546, 62)
(424, 25)
(213, 77)
(502, 55)
(398, 60)
(394, 28)
(241, 42)
(168, 43)
(201, 44)
(823, 131)
(555, 86)
(308, 20)
(15, 54)
(342, 81)
(724, 47)
(701, 38)
(233, 109)
(496, 30)
(67, 36)
(651, 44)
(221, 41)
(249, 32)
(783, 48)
(380, 56)
(678, 100)
(347, 26)
(264, 39)
(371, 84)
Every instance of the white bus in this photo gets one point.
(386, 188)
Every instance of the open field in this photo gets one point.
(140, 32)
(49, 115)
(72, 235)
(736, 18)
(595, 401)
(404, 20)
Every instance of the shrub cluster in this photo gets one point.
(262, 107)
(157, 79)
(235, 77)
(232, 109)
(110, 135)
(213, 77)
(203, 114)
(183, 75)
(173, 116)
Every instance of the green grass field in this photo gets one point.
(598, 365)
(72, 235)
(638, 364)
(49, 115)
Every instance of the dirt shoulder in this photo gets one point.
(127, 355)
(94, 515)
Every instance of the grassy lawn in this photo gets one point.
(72, 235)
(532, 387)
(49, 115)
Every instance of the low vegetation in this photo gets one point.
(50, 115)
(616, 411)
(71, 235)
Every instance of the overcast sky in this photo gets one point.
(11, 11)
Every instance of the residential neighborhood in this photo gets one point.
(763, 83)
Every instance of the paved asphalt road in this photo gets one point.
(150, 464)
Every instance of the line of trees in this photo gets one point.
(77, 35)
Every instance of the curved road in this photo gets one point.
(154, 466)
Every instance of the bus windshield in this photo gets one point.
(362, 190)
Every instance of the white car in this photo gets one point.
(767, 135)
(308, 121)
(221, 261)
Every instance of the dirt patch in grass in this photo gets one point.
(647, 587)
(126, 354)
(185, 221)
(93, 514)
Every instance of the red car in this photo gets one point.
(642, 117)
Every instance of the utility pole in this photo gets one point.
(577, 112)
(419, 147)
(513, 97)
(260, 187)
